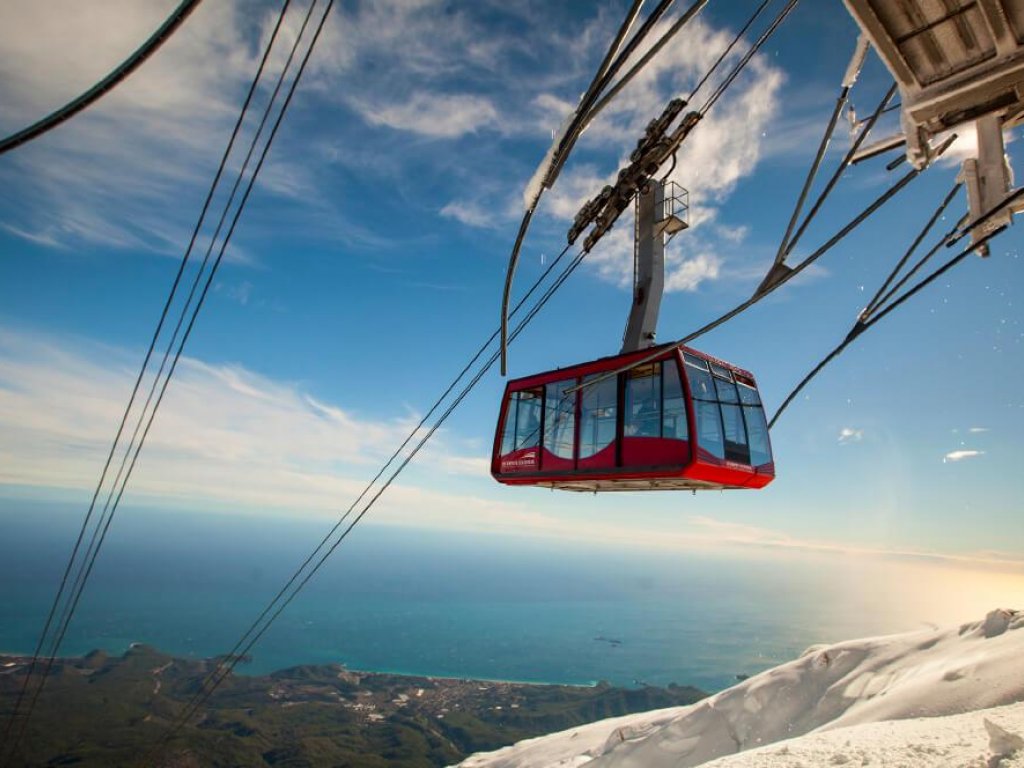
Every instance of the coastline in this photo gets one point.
(240, 670)
(317, 713)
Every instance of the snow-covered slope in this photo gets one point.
(981, 739)
(926, 674)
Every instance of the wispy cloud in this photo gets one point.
(741, 534)
(849, 435)
(224, 434)
(960, 455)
(470, 213)
(723, 149)
(240, 293)
(131, 171)
(107, 177)
(232, 439)
(442, 116)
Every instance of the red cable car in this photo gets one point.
(647, 419)
(650, 427)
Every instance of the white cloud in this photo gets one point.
(961, 455)
(469, 212)
(978, 430)
(849, 435)
(410, 56)
(117, 175)
(227, 438)
(744, 535)
(114, 175)
(240, 292)
(722, 150)
(439, 116)
(688, 274)
(223, 435)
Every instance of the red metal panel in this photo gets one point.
(523, 460)
(726, 475)
(549, 462)
(603, 459)
(595, 475)
(759, 480)
(496, 448)
(654, 452)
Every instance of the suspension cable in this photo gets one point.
(581, 118)
(105, 528)
(562, 156)
(138, 381)
(613, 49)
(209, 279)
(728, 49)
(281, 600)
(972, 225)
(561, 153)
(651, 52)
(881, 296)
(820, 201)
(109, 510)
(236, 650)
(717, 93)
(862, 326)
(856, 61)
(107, 84)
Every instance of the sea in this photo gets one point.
(447, 604)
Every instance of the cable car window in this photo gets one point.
(735, 434)
(560, 418)
(748, 395)
(597, 415)
(673, 405)
(709, 427)
(643, 402)
(718, 370)
(726, 391)
(757, 426)
(701, 385)
(508, 431)
(695, 361)
(528, 419)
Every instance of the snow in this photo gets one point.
(925, 698)
(954, 740)
(534, 187)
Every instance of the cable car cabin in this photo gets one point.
(684, 421)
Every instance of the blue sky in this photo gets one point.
(369, 265)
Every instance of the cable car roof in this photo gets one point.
(610, 361)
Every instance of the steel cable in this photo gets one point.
(562, 155)
(567, 142)
(757, 297)
(280, 602)
(741, 65)
(104, 86)
(106, 526)
(861, 327)
(138, 381)
(99, 534)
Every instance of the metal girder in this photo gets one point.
(649, 267)
(954, 60)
